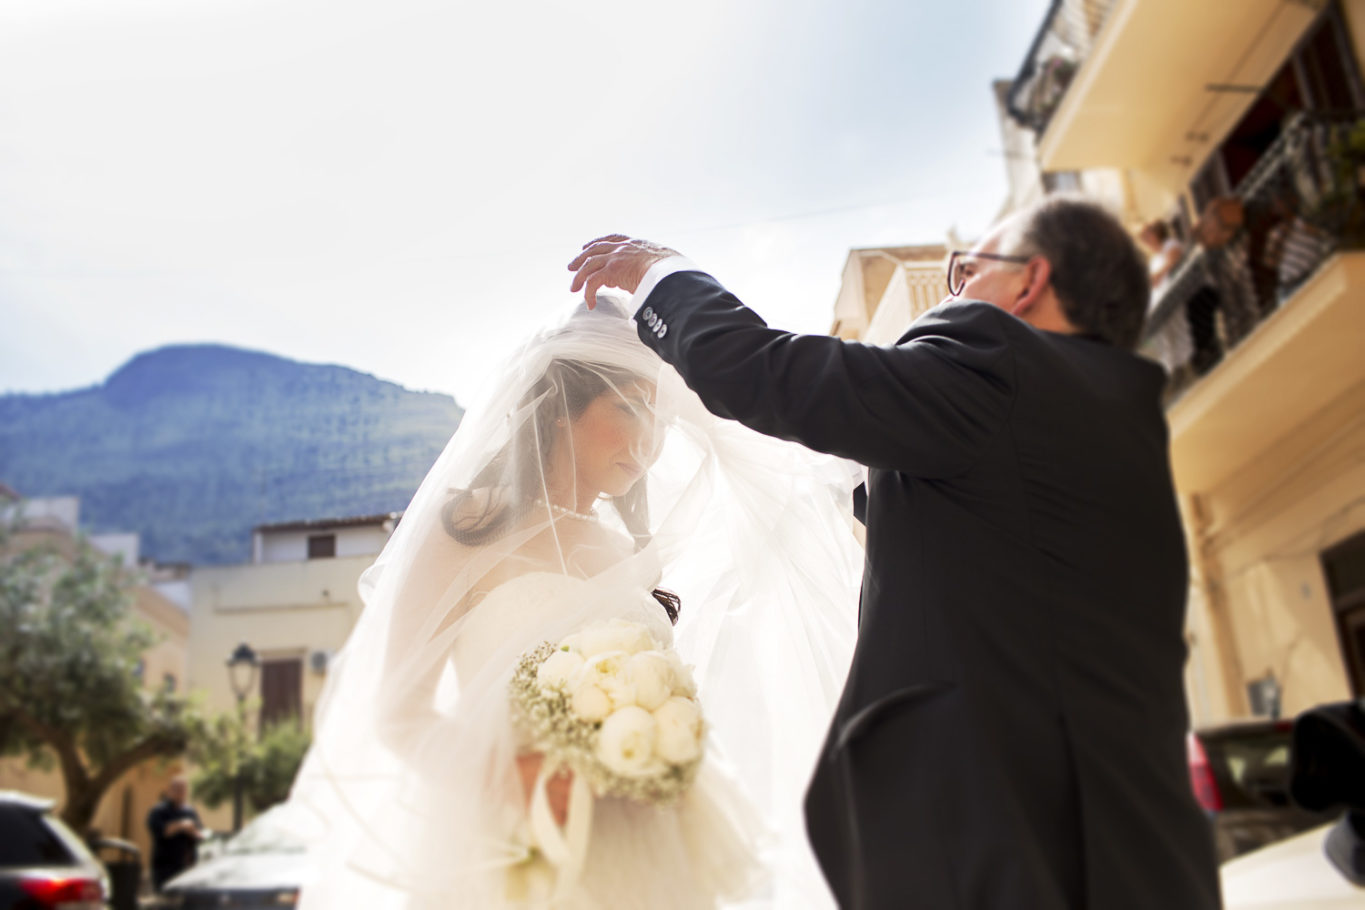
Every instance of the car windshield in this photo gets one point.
(264, 834)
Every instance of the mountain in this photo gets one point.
(193, 445)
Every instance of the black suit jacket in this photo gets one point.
(1012, 732)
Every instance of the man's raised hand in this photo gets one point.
(615, 261)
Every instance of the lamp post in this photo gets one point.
(242, 677)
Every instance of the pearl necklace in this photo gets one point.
(567, 513)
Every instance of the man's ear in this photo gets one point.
(1038, 275)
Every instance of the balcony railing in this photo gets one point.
(1303, 201)
(1058, 50)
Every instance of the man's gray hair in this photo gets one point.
(1098, 273)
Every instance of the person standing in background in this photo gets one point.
(176, 832)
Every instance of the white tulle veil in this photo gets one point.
(410, 794)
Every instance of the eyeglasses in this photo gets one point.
(960, 261)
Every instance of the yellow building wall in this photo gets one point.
(1258, 599)
(282, 610)
(1271, 522)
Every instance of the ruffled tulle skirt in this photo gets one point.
(701, 853)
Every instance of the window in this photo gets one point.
(1320, 75)
(1344, 566)
(168, 682)
(29, 840)
(281, 691)
(322, 546)
(1062, 182)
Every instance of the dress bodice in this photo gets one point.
(546, 606)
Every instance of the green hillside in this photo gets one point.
(192, 445)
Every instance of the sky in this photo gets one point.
(398, 185)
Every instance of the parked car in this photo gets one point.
(1322, 868)
(263, 865)
(1240, 775)
(43, 864)
(1294, 874)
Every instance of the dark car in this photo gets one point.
(42, 863)
(264, 865)
(1241, 776)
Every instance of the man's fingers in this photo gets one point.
(599, 247)
(586, 269)
(611, 238)
(599, 280)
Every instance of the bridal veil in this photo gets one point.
(411, 786)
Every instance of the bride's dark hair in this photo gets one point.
(507, 489)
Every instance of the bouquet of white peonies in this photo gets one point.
(616, 707)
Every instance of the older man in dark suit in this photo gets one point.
(1012, 731)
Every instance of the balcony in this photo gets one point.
(1061, 45)
(1150, 85)
(1263, 318)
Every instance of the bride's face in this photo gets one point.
(613, 439)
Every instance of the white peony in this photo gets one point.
(678, 730)
(611, 635)
(626, 742)
(590, 703)
(651, 673)
(683, 683)
(619, 690)
(606, 671)
(558, 668)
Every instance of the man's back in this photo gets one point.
(1021, 638)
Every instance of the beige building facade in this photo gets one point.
(1237, 118)
(293, 605)
(884, 289)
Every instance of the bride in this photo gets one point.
(587, 476)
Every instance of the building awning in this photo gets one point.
(1165, 80)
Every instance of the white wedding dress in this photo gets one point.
(688, 856)
(460, 824)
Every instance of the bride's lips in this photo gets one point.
(631, 469)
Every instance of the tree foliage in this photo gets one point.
(267, 764)
(69, 688)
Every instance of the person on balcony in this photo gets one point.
(1173, 338)
(1293, 247)
(1167, 252)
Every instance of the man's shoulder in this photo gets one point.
(966, 330)
(961, 318)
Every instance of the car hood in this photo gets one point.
(249, 871)
(1293, 874)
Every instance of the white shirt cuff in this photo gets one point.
(658, 272)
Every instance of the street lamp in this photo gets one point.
(242, 677)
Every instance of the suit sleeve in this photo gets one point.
(929, 406)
